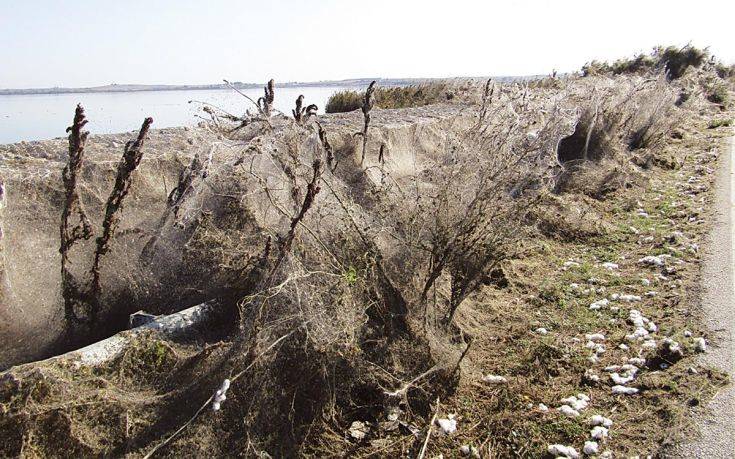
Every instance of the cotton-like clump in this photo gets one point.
(645, 282)
(494, 379)
(610, 266)
(595, 337)
(543, 407)
(448, 425)
(591, 376)
(623, 390)
(700, 344)
(687, 333)
(623, 346)
(599, 432)
(629, 298)
(578, 402)
(220, 395)
(617, 379)
(542, 331)
(563, 451)
(568, 411)
(653, 260)
(599, 304)
(599, 420)
(651, 293)
(637, 361)
(649, 344)
(570, 264)
(591, 448)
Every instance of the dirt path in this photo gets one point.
(717, 424)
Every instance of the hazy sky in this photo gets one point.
(86, 43)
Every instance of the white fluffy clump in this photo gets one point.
(623, 346)
(595, 337)
(649, 344)
(494, 379)
(599, 304)
(542, 331)
(623, 390)
(568, 411)
(687, 333)
(563, 451)
(591, 375)
(636, 318)
(599, 432)
(448, 424)
(543, 407)
(621, 380)
(570, 264)
(700, 344)
(629, 298)
(645, 282)
(578, 402)
(637, 361)
(220, 395)
(591, 448)
(610, 266)
(600, 420)
(651, 293)
(654, 260)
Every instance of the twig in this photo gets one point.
(367, 105)
(130, 160)
(428, 432)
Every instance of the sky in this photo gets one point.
(77, 43)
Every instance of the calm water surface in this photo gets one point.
(45, 116)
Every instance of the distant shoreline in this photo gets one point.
(189, 87)
(113, 88)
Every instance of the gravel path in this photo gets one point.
(717, 424)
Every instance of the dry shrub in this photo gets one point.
(673, 60)
(617, 119)
(569, 217)
(392, 97)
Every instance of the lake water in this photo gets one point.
(45, 116)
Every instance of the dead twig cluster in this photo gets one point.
(82, 295)
(301, 114)
(265, 103)
(368, 102)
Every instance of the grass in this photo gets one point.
(719, 122)
(394, 97)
